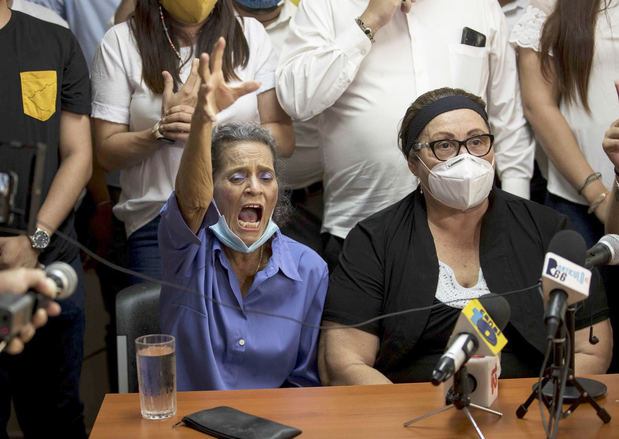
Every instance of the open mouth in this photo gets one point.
(250, 216)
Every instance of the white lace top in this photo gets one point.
(451, 293)
(527, 32)
(588, 129)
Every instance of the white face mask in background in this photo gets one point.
(461, 182)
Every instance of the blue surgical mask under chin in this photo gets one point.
(231, 240)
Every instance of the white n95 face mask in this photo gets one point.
(461, 182)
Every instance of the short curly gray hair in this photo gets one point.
(235, 132)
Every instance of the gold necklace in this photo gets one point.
(259, 260)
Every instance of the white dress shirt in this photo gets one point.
(588, 128)
(362, 90)
(304, 167)
(513, 12)
(120, 95)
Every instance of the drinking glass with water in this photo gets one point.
(156, 365)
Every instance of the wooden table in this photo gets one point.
(362, 412)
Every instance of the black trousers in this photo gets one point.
(306, 219)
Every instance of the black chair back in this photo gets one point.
(137, 313)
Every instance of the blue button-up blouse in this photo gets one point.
(229, 347)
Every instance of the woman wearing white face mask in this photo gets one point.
(453, 239)
(141, 116)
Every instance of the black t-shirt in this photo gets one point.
(389, 264)
(42, 73)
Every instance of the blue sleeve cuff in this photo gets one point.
(175, 231)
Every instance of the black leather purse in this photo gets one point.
(228, 423)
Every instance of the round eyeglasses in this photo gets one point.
(444, 149)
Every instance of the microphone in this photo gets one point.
(475, 333)
(483, 375)
(64, 278)
(16, 310)
(605, 252)
(564, 279)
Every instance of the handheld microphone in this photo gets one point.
(605, 252)
(564, 279)
(478, 331)
(16, 310)
(64, 278)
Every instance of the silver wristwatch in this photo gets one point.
(40, 239)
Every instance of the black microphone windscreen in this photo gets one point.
(569, 245)
(498, 309)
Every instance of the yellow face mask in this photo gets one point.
(189, 11)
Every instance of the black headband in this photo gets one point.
(430, 111)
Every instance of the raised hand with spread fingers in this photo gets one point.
(194, 181)
(214, 93)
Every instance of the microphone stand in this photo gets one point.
(459, 396)
(595, 389)
(577, 390)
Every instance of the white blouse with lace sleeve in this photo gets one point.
(588, 127)
(527, 32)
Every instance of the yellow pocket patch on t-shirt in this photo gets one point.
(38, 90)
